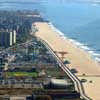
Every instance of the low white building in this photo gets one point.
(60, 82)
(18, 98)
(57, 83)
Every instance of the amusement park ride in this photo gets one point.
(62, 53)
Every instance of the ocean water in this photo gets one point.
(78, 20)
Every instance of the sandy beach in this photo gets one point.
(78, 58)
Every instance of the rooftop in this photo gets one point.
(59, 81)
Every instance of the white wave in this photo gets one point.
(96, 54)
(84, 47)
(57, 30)
(91, 52)
(79, 44)
(97, 59)
(71, 40)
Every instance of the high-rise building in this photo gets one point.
(7, 38)
(14, 37)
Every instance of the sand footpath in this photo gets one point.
(78, 58)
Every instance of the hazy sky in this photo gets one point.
(20, 0)
(43, 0)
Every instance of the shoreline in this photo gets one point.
(78, 58)
(72, 45)
(95, 56)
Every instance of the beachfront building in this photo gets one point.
(7, 38)
(57, 84)
(14, 37)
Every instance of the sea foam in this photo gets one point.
(82, 46)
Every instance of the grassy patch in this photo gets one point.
(22, 74)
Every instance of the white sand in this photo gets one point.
(92, 89)
(79, 59)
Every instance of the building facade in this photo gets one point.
(7, 38)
